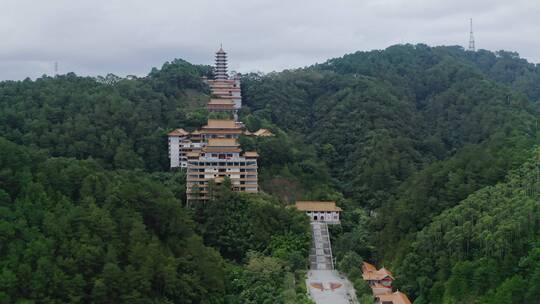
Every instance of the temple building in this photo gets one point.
(220, 158)
(222, 128)
(213, 153)
(317, 211)
(182, 142)
(263, 133)
(227, 89)
(380, 282)
(224, 87)
(221, 65)
(221, 105)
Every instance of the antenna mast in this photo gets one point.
(56, 68)
(472, 47)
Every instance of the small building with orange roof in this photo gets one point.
(179, 133)
(263, 133)
(380, 281)
(319, 211)
(381, 277)
(392, 298)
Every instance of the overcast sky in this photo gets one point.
(123, 37)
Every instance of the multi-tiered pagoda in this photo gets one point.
(226, 90)
(221, 65)
(213, 152)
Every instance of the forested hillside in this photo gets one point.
(74, 232)
(89, 213)
(484, 250)
(429, 151)
(378, 117)
(408, 132)
(118, 122)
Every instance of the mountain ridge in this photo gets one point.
(398, 137)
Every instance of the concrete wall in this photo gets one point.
(323, 216)
(174, 151)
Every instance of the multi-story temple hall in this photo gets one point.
(212, 152)
(220, 158)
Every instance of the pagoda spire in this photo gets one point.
(221, 64)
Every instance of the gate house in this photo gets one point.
(318, 211)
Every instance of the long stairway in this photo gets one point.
(325, 285)
(320, 257)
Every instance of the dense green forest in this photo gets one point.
(409, 133)
(430, 151)
(74, 232)
(87, 202)
(486, 249)
(118, 122)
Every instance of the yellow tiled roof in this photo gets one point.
(178, 132)
(317, 206)
(263, 132)
(221, 124)
(251, 154)
(221, 101)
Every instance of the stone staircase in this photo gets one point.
(320, 257)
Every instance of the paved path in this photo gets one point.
(328, 287)
(320, 257)
(325, 285)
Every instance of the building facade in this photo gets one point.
(222, 128)
(182, 142)
(318, 211)
(221, 158)
(221, 105)
(227, 89)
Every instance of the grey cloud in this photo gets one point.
(130, 37)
